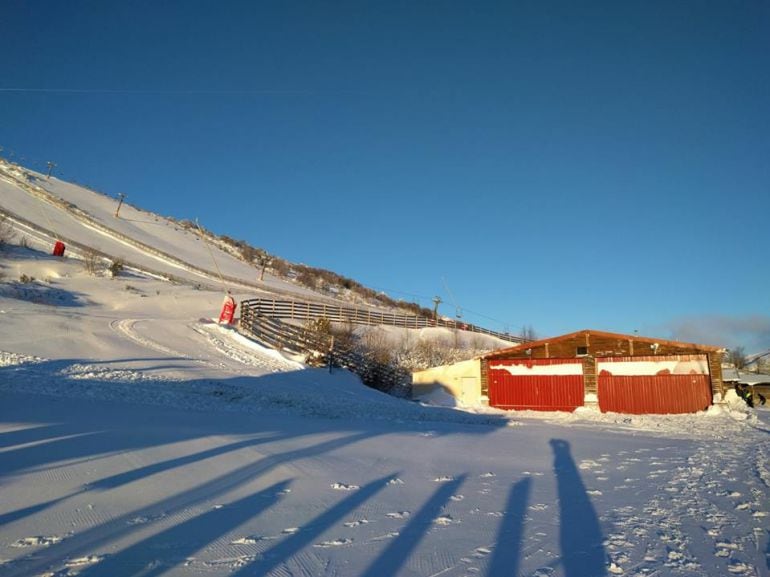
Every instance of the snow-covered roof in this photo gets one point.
(737, 376)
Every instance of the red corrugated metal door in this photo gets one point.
(654, 385)
(537, 384)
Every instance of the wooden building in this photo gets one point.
(616, 372)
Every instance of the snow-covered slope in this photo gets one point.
(145, 239)
(137, 437)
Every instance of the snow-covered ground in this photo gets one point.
(139, 438)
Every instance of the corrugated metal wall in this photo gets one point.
(538, 391)
(657, 393)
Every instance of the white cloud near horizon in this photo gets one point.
(751, 332)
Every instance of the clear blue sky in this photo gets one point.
(560, 164)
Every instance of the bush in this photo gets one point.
(6, 232)
(91, 262)
(116, 267)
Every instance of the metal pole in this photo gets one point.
(436, 301)
(120, 203)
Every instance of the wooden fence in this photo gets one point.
(305, 311)
(321, 350)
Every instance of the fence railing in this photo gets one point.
(320, 349)
(304, 311)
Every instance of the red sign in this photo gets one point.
(228, 311)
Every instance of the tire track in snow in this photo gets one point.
(245, 357)
(126, 328)
(242, 354)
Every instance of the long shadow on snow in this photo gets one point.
(100, 430)
(139, 473)
(92, 540)
(292, 545)
(397, 553)
(32, 434)
(77, 441)
(580, 534)
(147, 557)
(12, 516)
(507, 552)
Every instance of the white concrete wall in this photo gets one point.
(460, 380)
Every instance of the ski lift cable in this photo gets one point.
(211, 253)
(47, 219)
(458, 310)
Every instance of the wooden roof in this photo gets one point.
(635, 338)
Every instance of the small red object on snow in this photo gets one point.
(228, 311)
(58, 248)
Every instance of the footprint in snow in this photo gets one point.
(82, 561)
(334, 543)
(395, 481)
(344, 487)
(356, 523)
(398, 515)
(385, 537)
(445, 520)
(250, 540)
(38, 541)
(443, 479)
(738, 567)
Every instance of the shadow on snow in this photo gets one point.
(104, 429)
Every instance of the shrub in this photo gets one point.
(91, 262)
(116, 267)
(6, 232)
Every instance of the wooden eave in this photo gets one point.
(635, 338)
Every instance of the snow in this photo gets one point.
(138, 437)
(629, 368)
(523, 368)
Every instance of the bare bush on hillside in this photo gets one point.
(116, 267)
(6, 232)
(381, 362)
(91, 262)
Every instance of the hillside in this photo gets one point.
(139, 437)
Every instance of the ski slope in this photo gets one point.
(136, 236)
(140, 438)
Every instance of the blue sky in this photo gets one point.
(558, 164)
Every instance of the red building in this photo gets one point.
(619, 373)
